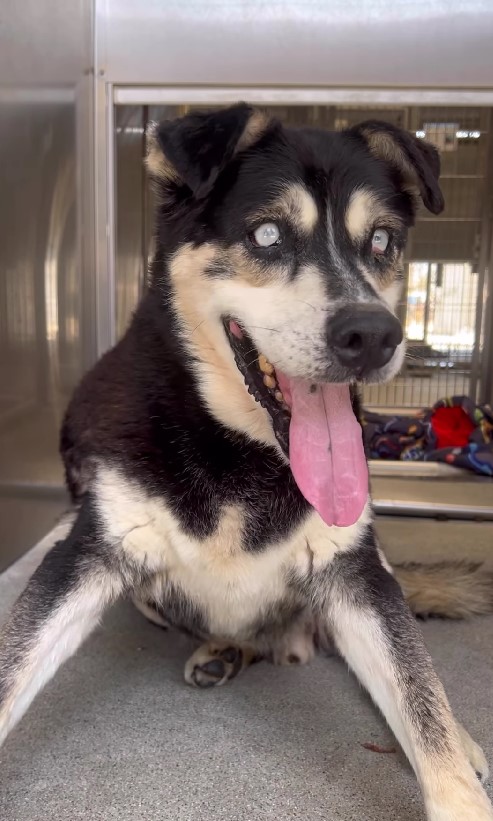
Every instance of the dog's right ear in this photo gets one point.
(194, 149)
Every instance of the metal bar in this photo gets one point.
(105, 219)
(104, 186)
(144, 194)
(432, 510)
(86, 215)
(449, 219)
(486, 389)
(426, 318)
(299, 95)
(486, 238)
(414, 470)
(36, 489)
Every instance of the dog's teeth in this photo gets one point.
(264, 365)
(278, 395)
(269, 381)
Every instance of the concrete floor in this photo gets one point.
(118, 735)
(25, 515)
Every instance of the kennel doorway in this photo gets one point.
(447, 255)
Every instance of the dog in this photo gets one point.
(214, 455)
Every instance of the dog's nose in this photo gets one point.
(364, 337)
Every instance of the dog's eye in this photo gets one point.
(380, 241)
(266, 235)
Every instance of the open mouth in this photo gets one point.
(261, 381)
(316, 428)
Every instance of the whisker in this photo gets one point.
(252, 350)
(260, 328)
(197, 326)
(304, 302)
(249, 364)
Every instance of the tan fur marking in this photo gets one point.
(301, 206)
(234, 587)
(156, 163)
(295, 204)
(361, 213)
(382, 145)
(365, 211)
(246, 268)
(159, 166)
(220, 382)
(256, 126)
(385, 283)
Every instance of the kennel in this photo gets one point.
(80, 83)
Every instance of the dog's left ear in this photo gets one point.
(195, 149)
(417, 160)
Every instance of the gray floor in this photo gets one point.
(25, 516)
(117, 735)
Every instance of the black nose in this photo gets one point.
(364, 337)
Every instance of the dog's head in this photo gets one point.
(290, 242)
(297, 235)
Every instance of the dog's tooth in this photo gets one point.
(269, 381)
(264, 365)
(278, 395)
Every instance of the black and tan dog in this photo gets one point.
(214, 453)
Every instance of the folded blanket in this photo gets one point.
(454, 430)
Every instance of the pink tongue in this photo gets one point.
(326, 450)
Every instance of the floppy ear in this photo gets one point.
(194, 149)
(417, 160)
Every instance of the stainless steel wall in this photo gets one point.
(337, 43)
(45, 47)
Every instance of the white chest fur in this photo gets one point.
(233, 587)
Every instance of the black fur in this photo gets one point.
(139, 410)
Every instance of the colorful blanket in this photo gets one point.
(455, 431)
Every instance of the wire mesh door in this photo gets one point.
(446, 259)
(446, 264)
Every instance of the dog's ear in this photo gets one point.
(194, 149)
(417, 160)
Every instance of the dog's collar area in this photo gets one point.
(260, 380)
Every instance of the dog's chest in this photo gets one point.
(230, 587)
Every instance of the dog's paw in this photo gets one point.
(215, 663)
(474, 754)
(296, 645)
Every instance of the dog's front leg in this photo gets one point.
(377, 635)
(58, 609)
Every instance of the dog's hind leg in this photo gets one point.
(377, 635)
(58, 609)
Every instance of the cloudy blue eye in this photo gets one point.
(380, 241)
(266, 235)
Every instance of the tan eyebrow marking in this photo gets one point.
(364, 211)
(295, 203)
